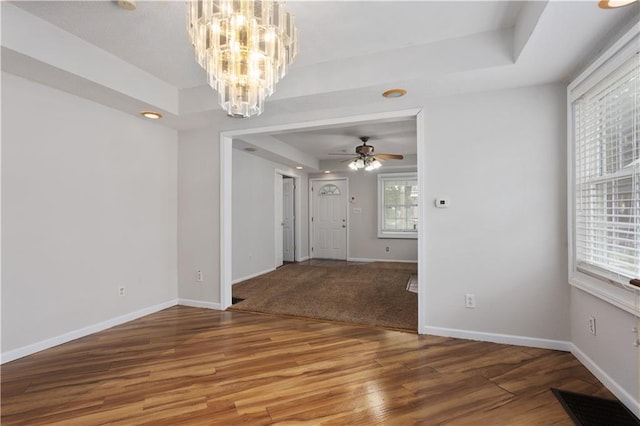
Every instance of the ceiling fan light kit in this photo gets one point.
(245, 46)
(365, 157)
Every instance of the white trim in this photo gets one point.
(626, 398)
(248, 277)
(278, 235)
(226, 217)
(82, 332)
(303, 259)
(618, 297)
(366, 259)
(509, 339)
(199, 304)
(604, 64)
(401, 168)
(422, 220)
(600, 287)
(382, 177)
(323, 123)
(297, 211)
(226, 160)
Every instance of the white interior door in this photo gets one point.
(329, 219)
(278, 224)
(288, 220)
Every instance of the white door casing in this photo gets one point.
(278, 223)
(226, 211)
(329, 219)
(288, 220)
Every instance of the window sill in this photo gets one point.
(398, 235)
(627, 300)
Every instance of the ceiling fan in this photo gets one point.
(366, 157)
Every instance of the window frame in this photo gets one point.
(595, 281)
(386, 177)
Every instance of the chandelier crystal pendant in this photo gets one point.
(245, 46)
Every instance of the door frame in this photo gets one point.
(225, 161)
(278, 235)
(346, 207)
(297, 213)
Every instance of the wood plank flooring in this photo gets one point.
(196, 366)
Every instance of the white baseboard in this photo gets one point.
(627, 399)
(366, 259)
(200, 304)
(82, 332)
(303, 259)
(248, 277)
(534, 342)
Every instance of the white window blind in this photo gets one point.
(607, 174)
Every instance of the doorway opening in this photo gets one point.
(285, 219)
(226, 211)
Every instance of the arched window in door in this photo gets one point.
(329, 189)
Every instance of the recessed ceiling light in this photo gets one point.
(394, 93)
(327, 171)
(250, 149)
(299, 167)
(151, 114)
(127, 4)
(612, 4)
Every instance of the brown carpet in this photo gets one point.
(360, 293)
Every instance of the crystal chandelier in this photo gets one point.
(245, 47)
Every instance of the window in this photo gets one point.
(606, 164)
(329, 189)
(398, 205)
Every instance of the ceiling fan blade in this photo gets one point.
(339, 153)
(390, 156)
(349, 159)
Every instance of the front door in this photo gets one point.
(329, 219)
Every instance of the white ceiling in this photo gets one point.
(350, 51)
(389, 137)
(154, 37)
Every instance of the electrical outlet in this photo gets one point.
(592, 325)
(469, 300)
(199, 276)
(121, 291)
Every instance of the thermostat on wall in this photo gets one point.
(443, 203)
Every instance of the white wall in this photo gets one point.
(253, 233)
(611, 353)
(363, 227)
(500, 158)
(199, 216)
(89, 204)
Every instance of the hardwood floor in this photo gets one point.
(197, 366)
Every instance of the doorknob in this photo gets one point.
(282, 223)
